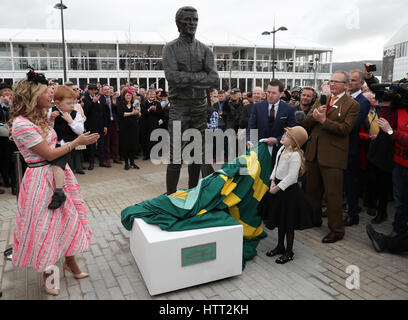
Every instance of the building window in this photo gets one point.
(113, 82)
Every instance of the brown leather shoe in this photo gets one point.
(117, 161)
(332, 238)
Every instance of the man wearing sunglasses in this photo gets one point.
(326, 154)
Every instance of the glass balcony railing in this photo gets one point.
(153, 64)
(141, 64)
(5, 64)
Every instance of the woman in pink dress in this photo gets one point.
(43, 236)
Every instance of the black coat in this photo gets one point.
(381, 152)
(128, 130)
(150, 119)
(228, 114)
(105, 106)
(95, 113)
(243, 115)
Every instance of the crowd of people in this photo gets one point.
(345, 121)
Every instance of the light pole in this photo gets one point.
(267, 33)
(316, 68)
(62, 7)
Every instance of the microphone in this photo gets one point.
(300, 116)
(323, 100)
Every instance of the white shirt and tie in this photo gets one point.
(269, 112)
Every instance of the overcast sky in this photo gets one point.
(356, 29)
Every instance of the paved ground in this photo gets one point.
(318, 271)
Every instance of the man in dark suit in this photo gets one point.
(271, 117)
(152, 112)
(351, 175)
(111, 137)
(96, 122)
(327, 152)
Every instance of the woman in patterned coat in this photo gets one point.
(43, 236)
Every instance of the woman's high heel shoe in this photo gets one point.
(82, 275)
(51, 291)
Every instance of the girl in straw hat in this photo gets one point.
(285, 206)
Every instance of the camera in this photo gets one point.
(397, 93)
(371, 68)
(295, 97)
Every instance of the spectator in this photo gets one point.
(393, 244)
(271, 117)
(77, 152)
(351, 175)
(393, 120)
(327, 152)
(325, 88)
(96, 122)
(151, 114)
(213, 95)
(111, 137)
(7, 147)
(128, 129)
(40, 237)
(257, 95)
(307, 98)
(166, 109)
(377, 179)
(244, 113)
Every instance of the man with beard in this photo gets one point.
(190, 71)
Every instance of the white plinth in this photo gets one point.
(159, 258)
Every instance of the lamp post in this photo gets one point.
(62, 7)
(316, 68)
(267, 33)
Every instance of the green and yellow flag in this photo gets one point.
(229, 196)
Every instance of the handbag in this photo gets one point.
(4, 130)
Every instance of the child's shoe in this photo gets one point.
(57, 200)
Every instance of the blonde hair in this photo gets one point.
(25, 97)
(294, 148)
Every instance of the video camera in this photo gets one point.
(397, 93)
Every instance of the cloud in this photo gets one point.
(353, 28)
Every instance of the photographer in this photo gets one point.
(381, 242)
(369, 75)
(393, 120)
(307, 99)
(235, 102)
(295, 97)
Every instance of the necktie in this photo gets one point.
(272, 114)
(331, 104)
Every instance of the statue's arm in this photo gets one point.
(183, 79)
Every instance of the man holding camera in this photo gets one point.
(326, 153)
(394, 121)
(307, 97)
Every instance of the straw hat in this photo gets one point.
(298, 134)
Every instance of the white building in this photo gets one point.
(113, 57)
(395, 61)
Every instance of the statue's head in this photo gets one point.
(187, 21)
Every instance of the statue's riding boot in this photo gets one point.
(172, 178)
(193, 175)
